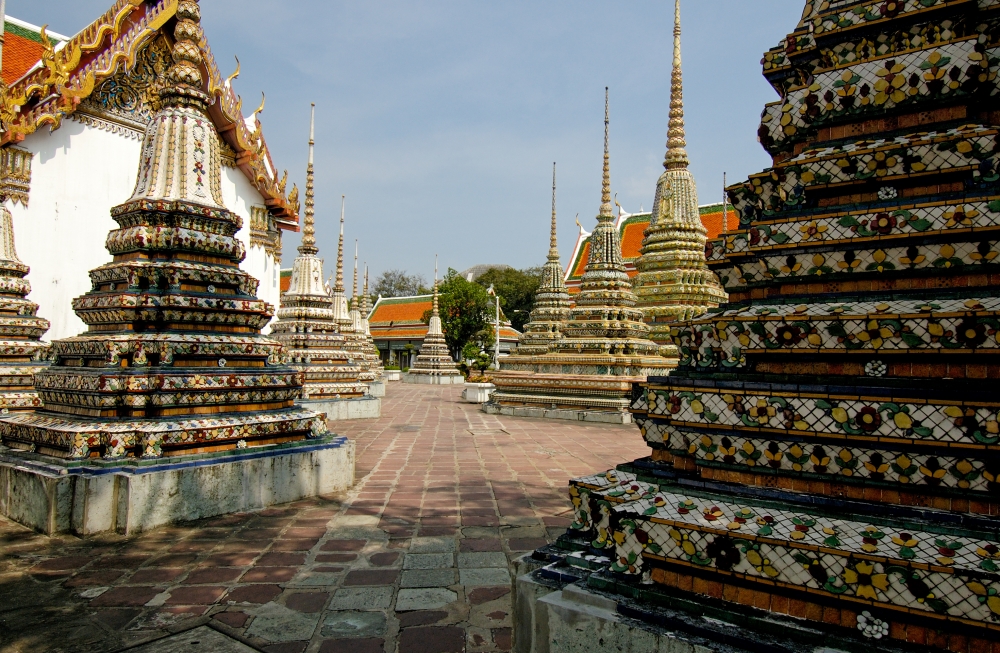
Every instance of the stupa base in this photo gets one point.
(575, 414)
(368, 407)
(376, 388)
(91, 496)
(442, 378)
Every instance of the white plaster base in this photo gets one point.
(340, 409)
(376, 388)
(55, 496)
(393, 375)
(434, 379)
(478, 393)
(598, 416)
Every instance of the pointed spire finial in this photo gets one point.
(308, 246)
(725, 206)
(676, 140)
(606, 210)
(338, 286)
(354, 296)
(436, 286)
(553, 240)
(184, 81)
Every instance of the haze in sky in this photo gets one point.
(440, 120)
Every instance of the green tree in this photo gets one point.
(517, 290)
(397, 283)
(465, 310)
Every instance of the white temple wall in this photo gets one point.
(78, 172)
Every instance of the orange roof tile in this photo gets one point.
(19, 55)
(581, 265)
(400, 309)
(285, 281)
(632, 239)
(713, 221)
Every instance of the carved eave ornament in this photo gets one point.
(65, 77)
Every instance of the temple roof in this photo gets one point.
(401, 318)
(49, 76)
(22, 47)
(630, 229)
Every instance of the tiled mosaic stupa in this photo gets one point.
(552, 303)
(588, 373)
(353, 342)
(825, 465)
(434, 364)
(673, 282)
(363, 343)
(22, 353)
(173, 366)
(309, 333)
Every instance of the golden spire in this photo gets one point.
(676, 142)
(553, 241)
(606, 211)
(184, 80)
(308, 246)
(364, 296)
(435, 314)
(338, 286)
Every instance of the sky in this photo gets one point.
(440, 119)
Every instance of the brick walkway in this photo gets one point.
(413, 559)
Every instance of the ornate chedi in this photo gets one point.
(173, 360)
(22, 353)
(674, 283)
(362, 342)
(309, 333)
(375, 360)
(552, 302)
(587, 373)
(353, 342)
(434, 364)
(826, 460)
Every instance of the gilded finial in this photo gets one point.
(308, 246)
(606, 181)
(553, 241)
(676, 141)
(435, 314)
(338, 286)
(236, 73)
(184, 79)
(365, 301)
(354, 295)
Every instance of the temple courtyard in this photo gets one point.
(416, 557)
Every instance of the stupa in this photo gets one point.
(552, 302)
(22, 353)
(374, 357)
(588, 373)
(309, 333)
(353, 342)
(673, 282)
(172, 405)
(434, 364)
(825, 461)
(362, 341)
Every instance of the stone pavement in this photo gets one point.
(414, 559)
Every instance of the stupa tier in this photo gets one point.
(353, 342)
(588, 372)
(673, 282)
(22, 353)
(309, 333)
(827, 450)
(434, 364)
(173, 360)
(362, 343)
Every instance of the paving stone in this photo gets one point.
(432, 544)
(276, 623)
(482, 595)
(308, 602)
(314, 579)
(202, 638)
(116, 618)
(478, 560)
(343, 545)
(354, 623)
(367, 645)
(371, 577)
(432, 639)
(213, 575)
(232, 619)
(94, 578)
(429, 578)
(362, 598)
(481, 544)
(340, 557)
(196, 595)
(420, 618)
(253, 594)
(154, 575)
(126, 596)
(428, 560)
(286, 647)
(470, 577)
(269, 575)
(424, 599)
(281, 559)
(382, 559)
(526, 544)
(503, 638)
